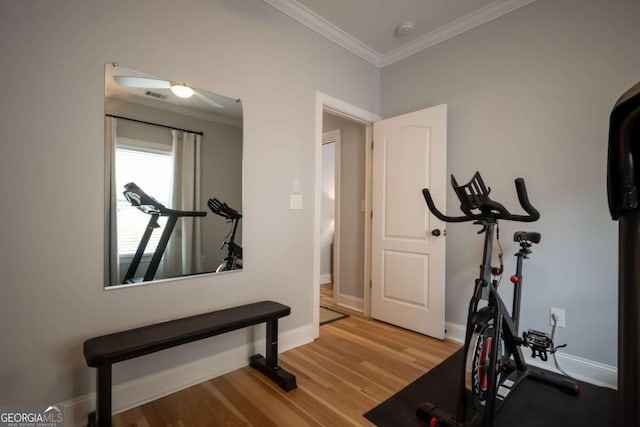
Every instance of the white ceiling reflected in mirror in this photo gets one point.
(173, 179)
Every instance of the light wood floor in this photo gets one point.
(354, 365)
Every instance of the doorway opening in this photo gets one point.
(342, 207)
(343, 211)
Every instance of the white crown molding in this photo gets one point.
(457, 27)
(323, 27)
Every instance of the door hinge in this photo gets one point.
(372, 145)
(370, 284)
(371, 214)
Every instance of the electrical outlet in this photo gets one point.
(560, 318)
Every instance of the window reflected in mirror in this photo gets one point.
(173, 181)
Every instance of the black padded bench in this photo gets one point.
(102, 352)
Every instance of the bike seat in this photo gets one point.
(527, 236)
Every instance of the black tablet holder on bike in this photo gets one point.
(503, 364)
(147, 204)
(623, 186)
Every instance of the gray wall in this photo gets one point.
(352, 165)
(52, 172)
(529, 95)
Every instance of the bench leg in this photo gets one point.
(103, 396)
(272, 344)
(269, 365)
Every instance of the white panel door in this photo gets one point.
(408, 243)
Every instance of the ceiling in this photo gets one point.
(368, 28)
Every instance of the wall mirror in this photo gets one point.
(173, 179)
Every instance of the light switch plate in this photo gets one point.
(295, 202)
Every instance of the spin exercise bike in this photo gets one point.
(233, 260)
(493, 363)
(147, 204)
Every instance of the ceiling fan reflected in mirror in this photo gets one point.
(182, 90)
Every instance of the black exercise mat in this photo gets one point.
(533, 404)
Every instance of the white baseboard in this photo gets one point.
(325, 279)
(350, 302)
(583, 369)
(454, 332)
(151, 387)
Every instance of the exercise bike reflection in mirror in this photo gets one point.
(233, 259)
(493, 363)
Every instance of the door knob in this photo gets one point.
(435, 232)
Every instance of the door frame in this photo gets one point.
(340, 108)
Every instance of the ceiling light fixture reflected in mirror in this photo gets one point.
(182, 90)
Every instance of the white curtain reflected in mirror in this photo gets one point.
(166, 157)
(184, 252)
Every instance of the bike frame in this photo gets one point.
(234, 251)
(485, 289)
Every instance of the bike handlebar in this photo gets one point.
(475, 196)
(523, 198)
(222, 209)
